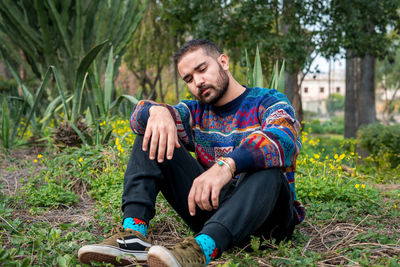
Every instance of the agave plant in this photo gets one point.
(67, 36)
(255, 76)
(99, 104)
(36, 34)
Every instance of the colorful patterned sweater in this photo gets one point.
(257, 130)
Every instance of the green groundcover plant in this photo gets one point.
(350, 220)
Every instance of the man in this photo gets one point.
(242, 183)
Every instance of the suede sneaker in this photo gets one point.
(122, 248)
(185, 254)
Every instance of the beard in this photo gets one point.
(215, 92)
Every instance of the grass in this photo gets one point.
(53, 202)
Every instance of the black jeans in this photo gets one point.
(258, 203)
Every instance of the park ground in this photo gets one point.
(53, 201)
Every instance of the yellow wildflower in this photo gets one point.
(316, 156)
(39, 156)
(395, 206)
(363, 186)
(342, 156)
(357, 186)
(35, 160)
(117, 141)
(80, 159)
(336, 156)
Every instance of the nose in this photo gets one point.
(198, 80)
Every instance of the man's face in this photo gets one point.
(204, 75)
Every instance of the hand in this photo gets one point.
(161, 129)
(208, 184)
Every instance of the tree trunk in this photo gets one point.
(176, 85)
(290, 84)
(293, 94)
(176, 74)
(298, 106)
(366, 96)
(161, 94)
(4, 71)
(350, 110)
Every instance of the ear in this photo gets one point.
(224, 61)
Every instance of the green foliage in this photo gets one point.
(78, 47)
(99, 105)
(388, 70)
(149, 53)
(360, 26)
(254, 75)
(331, 194)
(334, 103)
(64, 29)
(379, 140)
(49, 195)
(5, 123)
(334, 126)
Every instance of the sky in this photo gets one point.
(323, 64)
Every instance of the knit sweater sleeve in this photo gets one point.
(276, 144)
(181, 114)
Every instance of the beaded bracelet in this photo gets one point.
(222, 162)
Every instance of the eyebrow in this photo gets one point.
(195, 68)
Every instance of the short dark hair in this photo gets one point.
(209, 47)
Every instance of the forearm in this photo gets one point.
(140, 116)
(275, 145)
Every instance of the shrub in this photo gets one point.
(379, 139)
(334, 126)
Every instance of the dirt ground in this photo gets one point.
(327, 237)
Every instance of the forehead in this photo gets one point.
(192, 59)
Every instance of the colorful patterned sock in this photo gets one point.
(136, 225)
(208, 247)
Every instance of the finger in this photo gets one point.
(171, 146)
(205, 198)
(215, 197)
(177, 145)
(153, 145)
(146, 138)
(197, 198)
(161, 147)
(191, 203)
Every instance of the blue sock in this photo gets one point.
(208, 247)
(136, 225)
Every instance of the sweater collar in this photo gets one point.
(232, 106)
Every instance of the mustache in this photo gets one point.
(204, 87)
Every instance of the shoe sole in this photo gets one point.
(159, 256)
(109, 254)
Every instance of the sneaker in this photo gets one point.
(123, 248)
(185, 254)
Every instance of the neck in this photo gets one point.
(234, 90)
